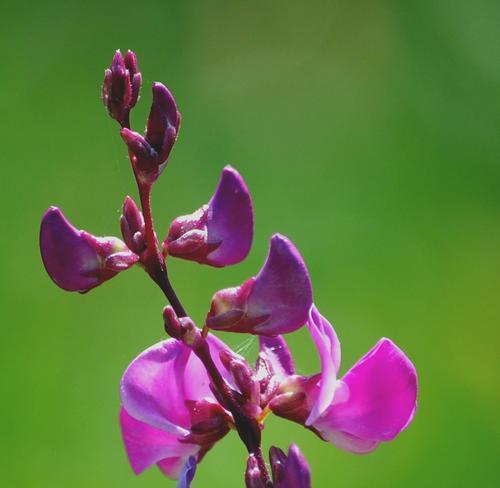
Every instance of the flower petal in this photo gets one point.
(276, 352)
(290, 471)
(230, 220)
(157, 384)
(276, 301)
(328, 346)
(377, 400)
(219, 233)
(75, 259)
(146, 445)
(187, 473)
(68, 258)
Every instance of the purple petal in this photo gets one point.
(328, 346)
(374, 402)
(163, 121)
(230, 220)
(187, 473)
(70, 260)
(290, 471)
(276, 301)
(219, 233)
(146, 445)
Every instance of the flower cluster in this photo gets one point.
(184, 394)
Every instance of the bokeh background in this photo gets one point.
(368, 132)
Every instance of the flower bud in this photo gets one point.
(144, 157)
(253, 475)
(209, 422)
(77, 260)
(150, 152)
(276, 301)
(289, 471)
(243, 376)
(120, 89)
(219, 233)
(163, 122)
(132, 226)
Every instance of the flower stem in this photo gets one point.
(248, 428)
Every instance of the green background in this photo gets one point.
(368, 132)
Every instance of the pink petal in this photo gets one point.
(146, 445)
(328, 346)
(156, 385)
(377, 400)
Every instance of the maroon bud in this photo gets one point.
(171, 322)
(253, 475)
(132, 226)
(120, 89)
(144, 157)
(163, 122)
(135, 77)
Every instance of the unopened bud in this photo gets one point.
(253, 474)
(132, 226)
(120, 90)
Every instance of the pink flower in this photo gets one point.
(372, 403)
(169, 412)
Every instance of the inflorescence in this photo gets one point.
(182, 395)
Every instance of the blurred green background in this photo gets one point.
(368, 132)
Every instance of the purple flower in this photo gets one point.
(290, 471)
(276, 301)
(373, 402)
(120, 89)
(169, 412)
(219, 233)
(77, 260)
(149, 153)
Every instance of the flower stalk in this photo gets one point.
(181, 396)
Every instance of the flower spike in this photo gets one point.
(219, 233)
(276, 301)
(77, 260)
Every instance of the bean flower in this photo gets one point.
(181, 396)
